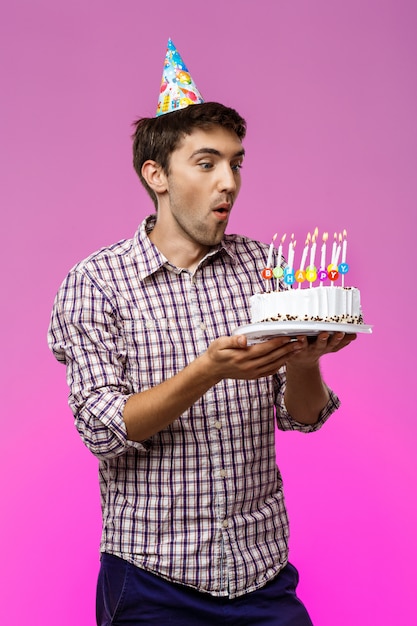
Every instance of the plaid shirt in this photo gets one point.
(201, 502)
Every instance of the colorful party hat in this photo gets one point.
(178, 89)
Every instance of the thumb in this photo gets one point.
(241, 341)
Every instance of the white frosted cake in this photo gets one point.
(315, 304)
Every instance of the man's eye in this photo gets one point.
(237, 166)
(205, 165)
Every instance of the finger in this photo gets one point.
(264, 363)
(270, 346)
(347, 339)
(320, 345)
(334, 341)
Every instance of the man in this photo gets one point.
(179, 412)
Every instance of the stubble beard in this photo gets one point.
(198, 231)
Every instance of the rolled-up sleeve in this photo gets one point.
(286, 422)
(85, 335)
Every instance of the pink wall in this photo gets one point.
(329, 92)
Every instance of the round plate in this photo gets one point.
(262, 331)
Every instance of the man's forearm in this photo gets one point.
(306, 395)
(149, 411)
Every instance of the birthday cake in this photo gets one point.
(285, 301)
(316, 304)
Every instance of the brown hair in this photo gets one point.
(156, 138)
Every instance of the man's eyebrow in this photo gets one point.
(238, 154)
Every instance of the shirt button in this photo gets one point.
(223, 473)
(218, 424)
(202, 326)
(225, 523)
(149, 324)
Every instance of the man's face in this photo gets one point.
(203, 183)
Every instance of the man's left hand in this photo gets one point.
(310, 351)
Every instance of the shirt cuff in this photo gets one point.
(286, 422)
(102, 427)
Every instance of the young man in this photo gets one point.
(180, 413)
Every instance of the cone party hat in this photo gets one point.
(178, 89)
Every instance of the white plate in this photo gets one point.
(256, 333)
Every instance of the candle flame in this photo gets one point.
(274, 237)
(325, 237)
(308, 239)
(345, 233)
(315, 234)
(340, 238)
(283, 238)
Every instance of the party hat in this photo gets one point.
(178, 89)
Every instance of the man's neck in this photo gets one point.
(183, 254)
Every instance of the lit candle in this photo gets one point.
(333, 269)
(339, 246)
(280, 259)
(269, 260)
(305, 252)
(291, 252)
(344, 249)
(334, 247)
(304, 256)
(323, 255)
(313, 251)
(271, 251)
(280, 250)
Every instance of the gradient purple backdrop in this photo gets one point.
(329, 91)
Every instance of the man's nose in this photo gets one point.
(227, 179)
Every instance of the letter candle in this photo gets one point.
(291, 250)
(279, 271)
(344, 249)
(323, 255)
(307, 272)
(289, 246)
(269, 260)
(271, 251)
(336, 259)
(334, 247)
(304, 257)
(313, 253)
(333, 270)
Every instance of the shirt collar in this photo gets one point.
(149, 259)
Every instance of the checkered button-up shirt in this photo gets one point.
(201, 502)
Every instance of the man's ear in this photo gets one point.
(155, 176)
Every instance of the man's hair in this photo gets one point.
(155, 138)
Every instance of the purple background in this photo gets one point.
(329, 91)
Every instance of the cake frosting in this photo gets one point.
(316, 304)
